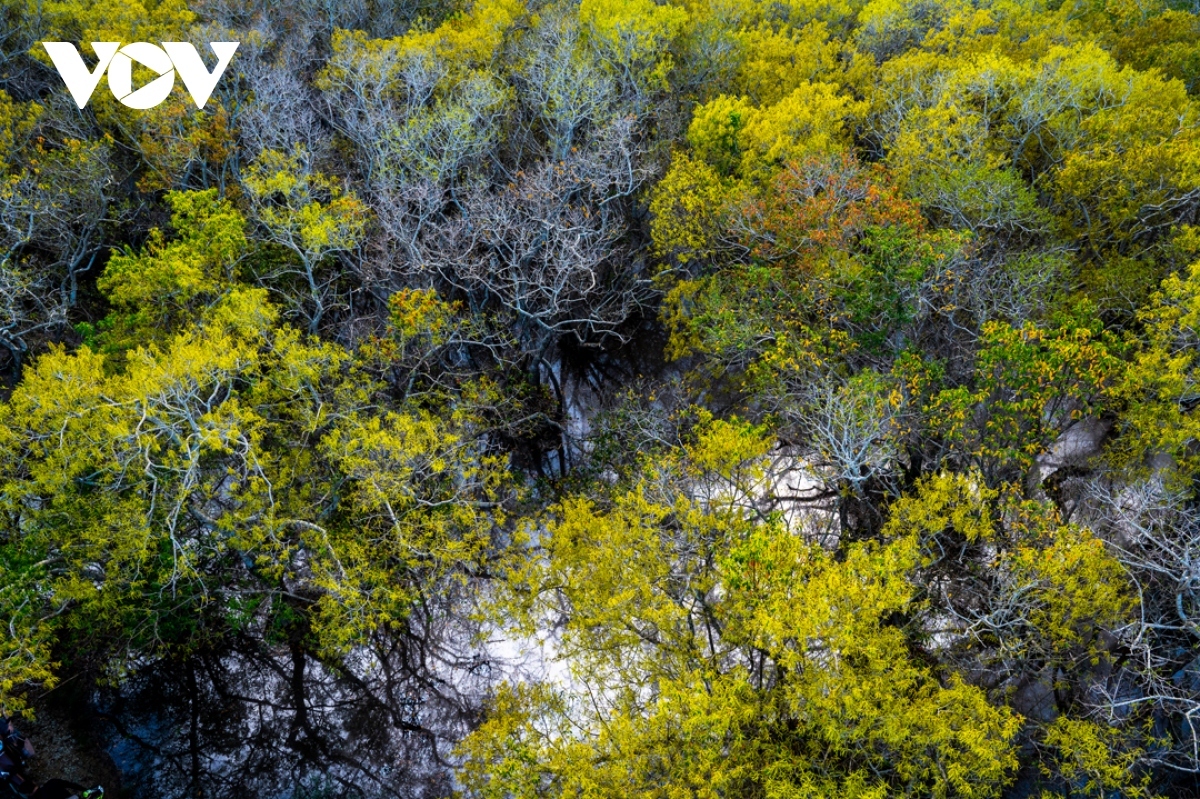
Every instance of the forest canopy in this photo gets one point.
(515, 399)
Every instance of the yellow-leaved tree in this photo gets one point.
(231, 474)
(704, 649)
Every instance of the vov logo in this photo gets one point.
(172, 57)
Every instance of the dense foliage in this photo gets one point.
(662, 398)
